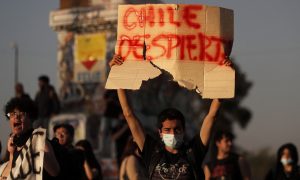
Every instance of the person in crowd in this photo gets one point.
(74, 158)
(20, 112)
(47, 102)
(19, 91)
(92, 168)
(224, 163)
(113, 129)
(65, 134)
(5, 166)
(286, 167)
(119, 130)
(171, 159)
(132, 166)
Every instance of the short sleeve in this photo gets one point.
(198, 148)
(148, 149)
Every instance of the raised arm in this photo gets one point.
(132, 121)
(206, 172)
(210, 117)
(209, 121)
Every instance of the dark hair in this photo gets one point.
(19, 85)
(89, 154)
(113, 107)
(68, 127)
(293, 151)
(171, 114)
(22, 104)
(44, 78)
(130, 148)
(220, 134)
(217, 137)
(294, 155)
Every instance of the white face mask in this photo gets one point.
(172, 141)
(286, 161)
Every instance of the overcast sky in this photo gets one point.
(266, 46)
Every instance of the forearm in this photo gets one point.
(10, 162)
(11, 157)
(133, 123)
(88, 170)
(214, 107)
(209, 120)
(207, 173)
(206, 129)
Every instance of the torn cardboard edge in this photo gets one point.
(209, 79)
(206, 78)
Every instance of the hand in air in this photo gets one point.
(116, 60)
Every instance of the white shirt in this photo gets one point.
(2, 167)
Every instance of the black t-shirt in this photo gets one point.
(70, 160)
(279, 174)
(173, 166)
(186, 164)
(227, 168)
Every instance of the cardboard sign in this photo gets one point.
(90, 53)
(188, 41)
(30, 162)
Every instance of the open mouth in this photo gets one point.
(17, 125)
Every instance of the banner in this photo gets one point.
(29, 163)
(90, 53)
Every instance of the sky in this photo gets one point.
(266, 47)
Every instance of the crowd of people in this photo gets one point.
(29, 154)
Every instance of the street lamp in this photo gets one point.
(16, 58)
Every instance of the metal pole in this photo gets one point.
(16, 58)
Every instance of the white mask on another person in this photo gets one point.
(286, 161)
(172, 141)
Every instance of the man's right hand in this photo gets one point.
(10, 144)
(116, 60)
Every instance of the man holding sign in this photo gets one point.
(170, 157)
(30, 153)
